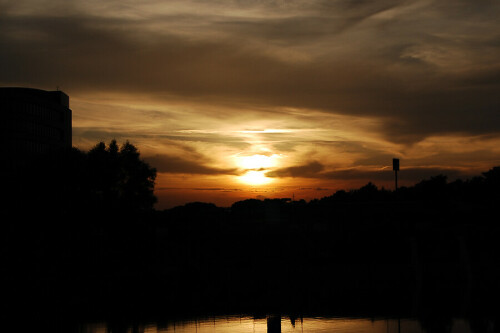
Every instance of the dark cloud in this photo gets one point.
(384, 59)
(317, 170)
(99, 134)
(458, 159)
(375, 159)
(410, 174)
(310, 170)
(176, 164)
(211, 138)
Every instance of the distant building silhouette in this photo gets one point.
(33, 122)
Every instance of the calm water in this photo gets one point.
(284, 324)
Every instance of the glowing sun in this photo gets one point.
(255, 178)
(256, 166)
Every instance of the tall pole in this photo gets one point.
(395, 167)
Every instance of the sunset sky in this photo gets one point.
(261, 99)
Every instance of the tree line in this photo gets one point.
(112, 178)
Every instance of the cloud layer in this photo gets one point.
(176, 164)
(386, 175)
(423, 67)
(345, 85)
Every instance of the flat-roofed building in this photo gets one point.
(33, 122)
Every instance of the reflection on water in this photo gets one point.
(275, 324)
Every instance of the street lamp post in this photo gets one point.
(395, 167)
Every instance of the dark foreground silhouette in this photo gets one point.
(81, 240)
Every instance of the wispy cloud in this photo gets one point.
(176, 164)
(422, 67)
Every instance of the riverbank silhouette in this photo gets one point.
(90, 246)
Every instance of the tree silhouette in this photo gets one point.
(433, 189)
(491, 187)
(493, 175)
(367, 192)
(71, 182)
(119, 179)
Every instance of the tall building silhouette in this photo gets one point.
(33, 122)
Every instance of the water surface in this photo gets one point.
(273, 324)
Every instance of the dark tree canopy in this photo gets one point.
(119, 178)
(107, 179)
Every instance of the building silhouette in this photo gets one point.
(33, 122)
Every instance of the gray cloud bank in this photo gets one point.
(317, 170)
(422, 67)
